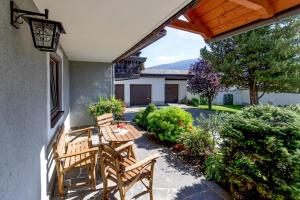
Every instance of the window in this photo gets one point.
(54, 91)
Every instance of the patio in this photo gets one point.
(172, 179)
(44, 91)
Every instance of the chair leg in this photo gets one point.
(105, 189)
(150, 188)
(122, 193)
(93, 175)
(60, 182)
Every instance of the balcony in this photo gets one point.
(129, 68)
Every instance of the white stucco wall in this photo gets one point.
(182, 88)
(241, 97)
(25, 109)
(157, 89)
(271, 98)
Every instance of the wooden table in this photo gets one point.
(116, 139)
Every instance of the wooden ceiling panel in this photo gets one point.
(209, 6)
(245, 19)
(219, 11)
(281, 5)
(228, 17)
(222, 18)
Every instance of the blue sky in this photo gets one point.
(175, 46)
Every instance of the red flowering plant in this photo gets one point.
(121, 126)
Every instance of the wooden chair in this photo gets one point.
(106, 120)
(118, 166)
(71, 150)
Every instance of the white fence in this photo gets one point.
(241, 97)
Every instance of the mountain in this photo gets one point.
(180, 65)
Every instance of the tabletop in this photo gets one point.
(109, 136)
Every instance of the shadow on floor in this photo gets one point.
(199, 191)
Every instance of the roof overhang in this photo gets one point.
(107, 31)
(218, 19)
(169, 76)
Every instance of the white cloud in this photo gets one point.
(168, 59)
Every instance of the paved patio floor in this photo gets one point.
(173, 180)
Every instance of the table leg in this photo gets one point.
(113, 144)
(132, 149)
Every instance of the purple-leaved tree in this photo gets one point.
(205, 82)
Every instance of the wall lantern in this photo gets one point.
(45, 33)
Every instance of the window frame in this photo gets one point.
(56, 112)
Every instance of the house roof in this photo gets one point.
(166, 73)
(216, 19)
(102, 31)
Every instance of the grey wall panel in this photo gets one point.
(23, 111)
(89, 80)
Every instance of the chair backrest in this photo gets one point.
(105, 119)
(59, 142)
(109, 158)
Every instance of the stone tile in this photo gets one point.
(173, 180)
(205, 195)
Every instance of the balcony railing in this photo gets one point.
(130, 68)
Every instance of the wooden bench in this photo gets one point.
(73, 150)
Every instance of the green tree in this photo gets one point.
(262, 60)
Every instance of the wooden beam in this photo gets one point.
(190, 27)
(196, 19)
(263, 7)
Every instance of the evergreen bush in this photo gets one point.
(260, 154)
(140, 118)
(195, 102)
(170, 122)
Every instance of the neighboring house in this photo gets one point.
(40, 91)
(158, 86)
(240, 97)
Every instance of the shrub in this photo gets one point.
(203, 101)
(168, 123)
(295, 107)
(140, 118)
(186, 101)
(260, 154)
(213, 167)
(103, 106)
(195, 102)
(198, 142)
(212, 124)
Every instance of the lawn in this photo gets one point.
(224, 108)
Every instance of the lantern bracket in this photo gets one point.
(16, 14)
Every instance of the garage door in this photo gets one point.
(171, 93)
(140, 95)
(119, 91)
